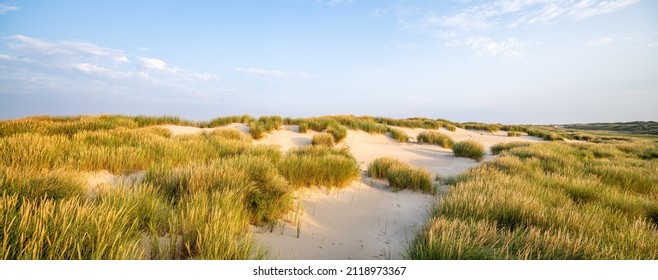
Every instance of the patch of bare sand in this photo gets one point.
(288, 137)
(365, 221)
(97, 180)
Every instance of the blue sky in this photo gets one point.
(523, 61)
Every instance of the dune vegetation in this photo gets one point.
(550, 201)
(401, 175)
(436, 138)
(197, 196)
(469, 148)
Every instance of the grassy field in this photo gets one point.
(649, 127)
(550, 201)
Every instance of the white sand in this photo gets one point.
(366, 220)
(363, 221)
(287, 138)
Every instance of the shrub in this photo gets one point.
(379, 167)
(399, 135)
(323, 139)
(404, 177)
(470, 149)
(435, 138)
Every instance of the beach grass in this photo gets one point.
(435, 138)
(549, 201)
(399, 135)
(323, 139)
(470, 149)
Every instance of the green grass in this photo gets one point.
(470, 149)
(302, 127)
(319, 166)
(549, 201)
(639, 127)
(482, 126)
(499, 148)
(415, 179)
(513, 134)
(379, 167)
(435, 138)
(256, 130)
(337, 131)
(399, 135)
(401, 175)
(323, 139)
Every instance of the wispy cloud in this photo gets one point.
(77, 65)
(282, 75)
(475, 20)
(600, 41)
(633, 38)
(508, 48)
(334, 2)
(43, 47)
(6, 8)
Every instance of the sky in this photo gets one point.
(512, 61)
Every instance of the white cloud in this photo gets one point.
(600, 41)
(6, 8)
(334, 2)
(469, 24)
(154, 64)
(77, 65)
(483, 46)
(288, 76)
(25, 43)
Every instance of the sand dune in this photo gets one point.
(287, 137)
(366, 220)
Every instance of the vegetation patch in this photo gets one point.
(399, 135)
(549, 201)
(401, 175)
(470, 149)
(435, 138)
(323, 139)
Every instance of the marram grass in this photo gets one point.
(435, 138)
(470, 149)
(549, 201)
(401, 175)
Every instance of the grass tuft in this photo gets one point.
(399, 135)
(323, 139)
(435, 138)
(470, 149)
